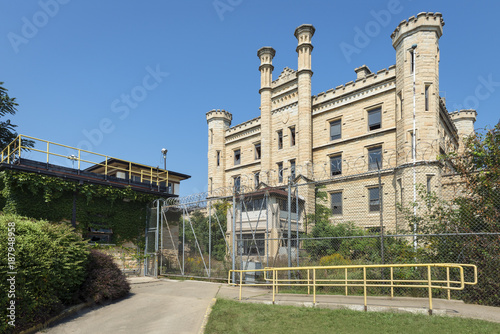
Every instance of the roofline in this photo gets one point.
(84, 179)
(183, 176)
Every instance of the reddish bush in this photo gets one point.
(105, 281)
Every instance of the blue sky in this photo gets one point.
(127, 78)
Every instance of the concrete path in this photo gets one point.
(170, 306)
(154, 306)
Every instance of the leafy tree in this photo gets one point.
(350, 241)
(479, 211)
(476, 209)
(201, 228)
(7, 129)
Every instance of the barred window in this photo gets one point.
(336, 165)
(374, 119)
(336, 202)
(375, 158)
(335, 130)
(237, 184)
(237, 157)
(374, 201)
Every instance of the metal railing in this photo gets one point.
(15, 149)
(357, 276)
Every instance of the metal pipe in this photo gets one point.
(414, 152)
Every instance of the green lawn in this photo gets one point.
(233, 317)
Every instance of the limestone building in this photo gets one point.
(391, 122)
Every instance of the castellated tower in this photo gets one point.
(266, 55)
(304, 33)
(464, 122)
(417, 58)
(419, 113)
(218, 122)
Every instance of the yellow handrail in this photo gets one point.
(428, 282)
(15, 149)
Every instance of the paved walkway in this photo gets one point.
(154, 306)
(171, 306)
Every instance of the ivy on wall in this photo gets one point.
(50, 198)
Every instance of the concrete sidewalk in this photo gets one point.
(172, 306)
(398, 304)
(154, 306)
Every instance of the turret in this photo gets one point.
(218, 122)
(266, 55)
(416, 41)
(464, 122)
(304, 34)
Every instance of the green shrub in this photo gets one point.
(105, 281)
(50, 261)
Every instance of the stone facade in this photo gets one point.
(343, 136)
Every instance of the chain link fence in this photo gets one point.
(417, 213)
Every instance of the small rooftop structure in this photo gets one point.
(88, 167)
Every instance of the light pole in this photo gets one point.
(164, 152)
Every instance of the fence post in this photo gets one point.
(381, 210)
(233, 251)
(289, 237)
(209, 238)
(183, 243)
(297, 221)
(267, 228)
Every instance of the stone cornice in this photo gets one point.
(288, 106)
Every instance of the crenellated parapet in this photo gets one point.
(371, 83)
(427, 21)
(464, 121)
(219, 114)
(243, 126)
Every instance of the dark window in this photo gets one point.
(280, 139)
(256, 178)
(412, 60)
(427, 97)
(237, 184)
(400, 102)
(218, 158)
(335, 130)
(292, 169)
(99, 233)
(283, 205)
(254, 204)
(375, 158)
(292, 136)
(429, 183)
(413, 152)
(374, 117)
(336, 165)
(336, 201)
(400, 184)
(257, 151)
(237, 157)
(252, 244)
(374, 204)
(280, 172)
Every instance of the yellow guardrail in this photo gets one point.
(15, 149)
(346, 277)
